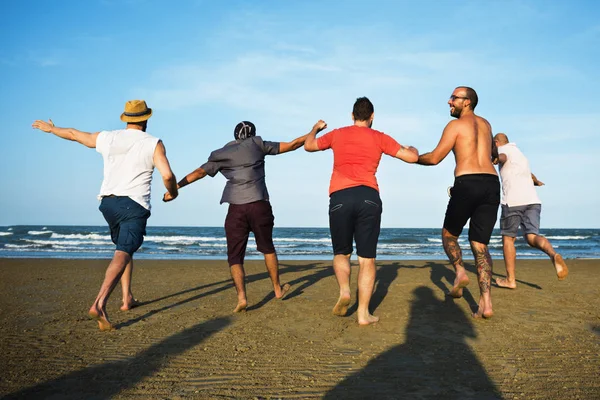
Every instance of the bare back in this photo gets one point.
(473, 145)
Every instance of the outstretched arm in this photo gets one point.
(310, 143)
(162, 164)
(284, 147)
(192, 177)
(408, 154)
(446, 144)
(536, 182)
(85, 138)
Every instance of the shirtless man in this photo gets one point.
(475, 194)
(522, 207)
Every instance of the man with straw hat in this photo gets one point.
(130, 156)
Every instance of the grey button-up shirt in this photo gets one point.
(242, 162)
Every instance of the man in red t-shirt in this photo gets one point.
(354, 203)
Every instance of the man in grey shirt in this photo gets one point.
(242, 162)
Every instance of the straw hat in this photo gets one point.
(136, 111)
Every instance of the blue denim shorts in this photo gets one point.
(127, 221)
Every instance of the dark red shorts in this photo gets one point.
(242, 219)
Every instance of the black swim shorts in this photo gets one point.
(355, 213)
(474, 196)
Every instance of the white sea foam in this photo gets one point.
(212, 245)
(322, 240)
(69, 242)
(567, 237)
(5, 233)
(39, 232)
(21, 246)
(89, 236)
(183, 239)
(406, 245)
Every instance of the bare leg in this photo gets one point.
(510, 260)
(540, 242)
(129, 301)
(273, 268)
(113, 274)
(366, 282)
(239, 277)
(454, 254)
(341, 267)
(484, 275)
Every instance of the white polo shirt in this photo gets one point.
(128, 164)
(517, 185)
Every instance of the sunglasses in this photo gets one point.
(453, 97)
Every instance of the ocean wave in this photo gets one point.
(169, 248)
(567, 237)
(27, 246)
(92, 236)
(183, 239)
(39, 232)
(69, 242)
(5, 233)
(407, 245)
(322, 240)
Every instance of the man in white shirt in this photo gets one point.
(522, 207)
(130, 156)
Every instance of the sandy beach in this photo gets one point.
(184, 342)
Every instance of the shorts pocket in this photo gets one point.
(335, 208)
(371, 203)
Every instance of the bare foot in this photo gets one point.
(133, 303)
(484, 311)
(241, 306)
(103, 322)
(341, 307)
(284, 289)
(561, 267)
(505, 283)
(368, 320)
(461, 281)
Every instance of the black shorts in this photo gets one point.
(474, 196)
(242, 219)
(127, 221)
(355, 213)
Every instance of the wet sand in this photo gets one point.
(183, 341)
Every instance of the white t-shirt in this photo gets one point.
(128, 164)
(517, 185)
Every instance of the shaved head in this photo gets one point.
(501, 138)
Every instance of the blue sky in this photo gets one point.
(203, 66)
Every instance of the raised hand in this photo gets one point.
(320, 125)
(43, 125)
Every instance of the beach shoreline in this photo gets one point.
(183, 342)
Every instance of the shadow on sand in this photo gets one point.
(227, 284)
(298, 284)
(435, 362)
(109, 379)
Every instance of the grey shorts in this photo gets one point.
(527, 217)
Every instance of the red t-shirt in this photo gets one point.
(356, 155)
